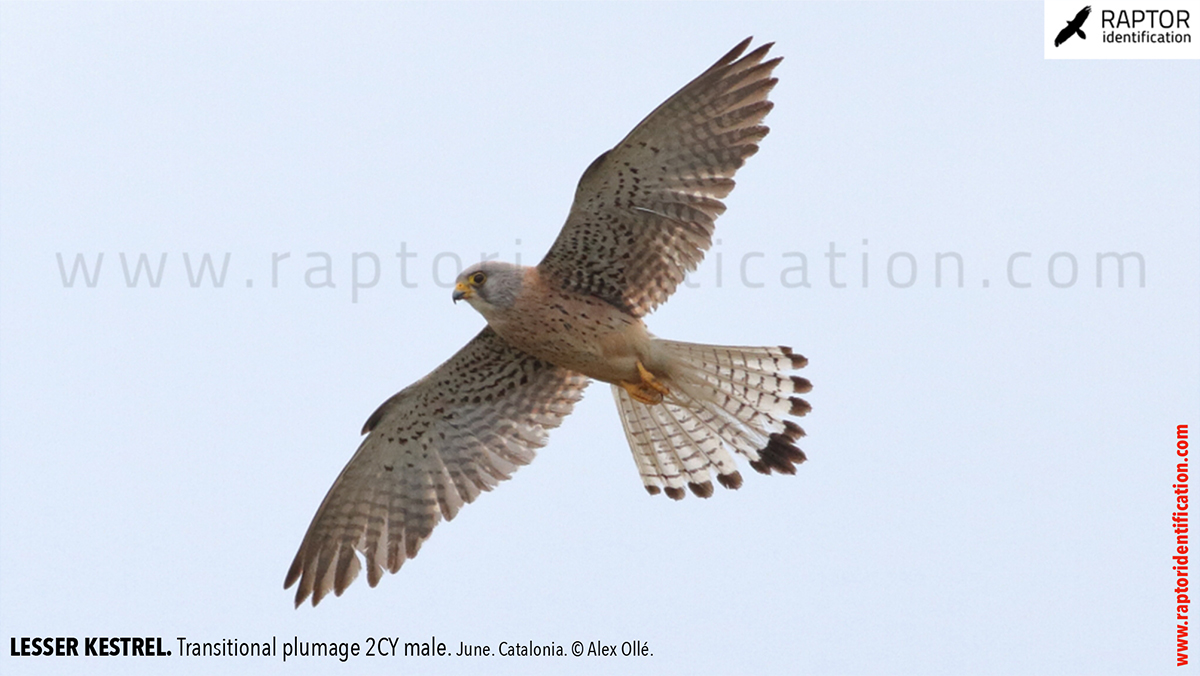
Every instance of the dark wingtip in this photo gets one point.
(653, 490)
(799, 408)
(675, 493)
(293, 573)
(801, 385)
(734, 54)
(759, 52)
(799, 361)
(737, 50)
(780, 454)
(792, 431)
(732, 481)
(701, 490)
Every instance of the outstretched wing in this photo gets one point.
(431, 448)
(1064, 34)
(1082, 16)
(643, 212)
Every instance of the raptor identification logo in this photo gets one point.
(1129, 29)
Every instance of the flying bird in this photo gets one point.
(1074, 26)
(643, 216)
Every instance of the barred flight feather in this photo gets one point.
(721, 398)
(432, 448)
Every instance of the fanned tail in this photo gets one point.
(721, 398)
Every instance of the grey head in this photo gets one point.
(490, 285)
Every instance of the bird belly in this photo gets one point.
(583, 334)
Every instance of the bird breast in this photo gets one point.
(574, 331)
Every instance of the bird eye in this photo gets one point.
(478, 278)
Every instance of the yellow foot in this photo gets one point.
(649, 391)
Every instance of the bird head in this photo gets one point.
(490, 285)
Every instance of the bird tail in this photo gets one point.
(1082, 35)
(721, 398)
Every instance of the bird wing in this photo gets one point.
(1082, 16)
(431, 448)
(643, 211)
(1064, 34)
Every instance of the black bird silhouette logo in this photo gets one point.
(1074, 26)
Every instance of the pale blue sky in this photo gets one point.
(988, 489)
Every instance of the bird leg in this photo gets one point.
(649, 391)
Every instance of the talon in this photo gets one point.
(649, 379)
(649, 391)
